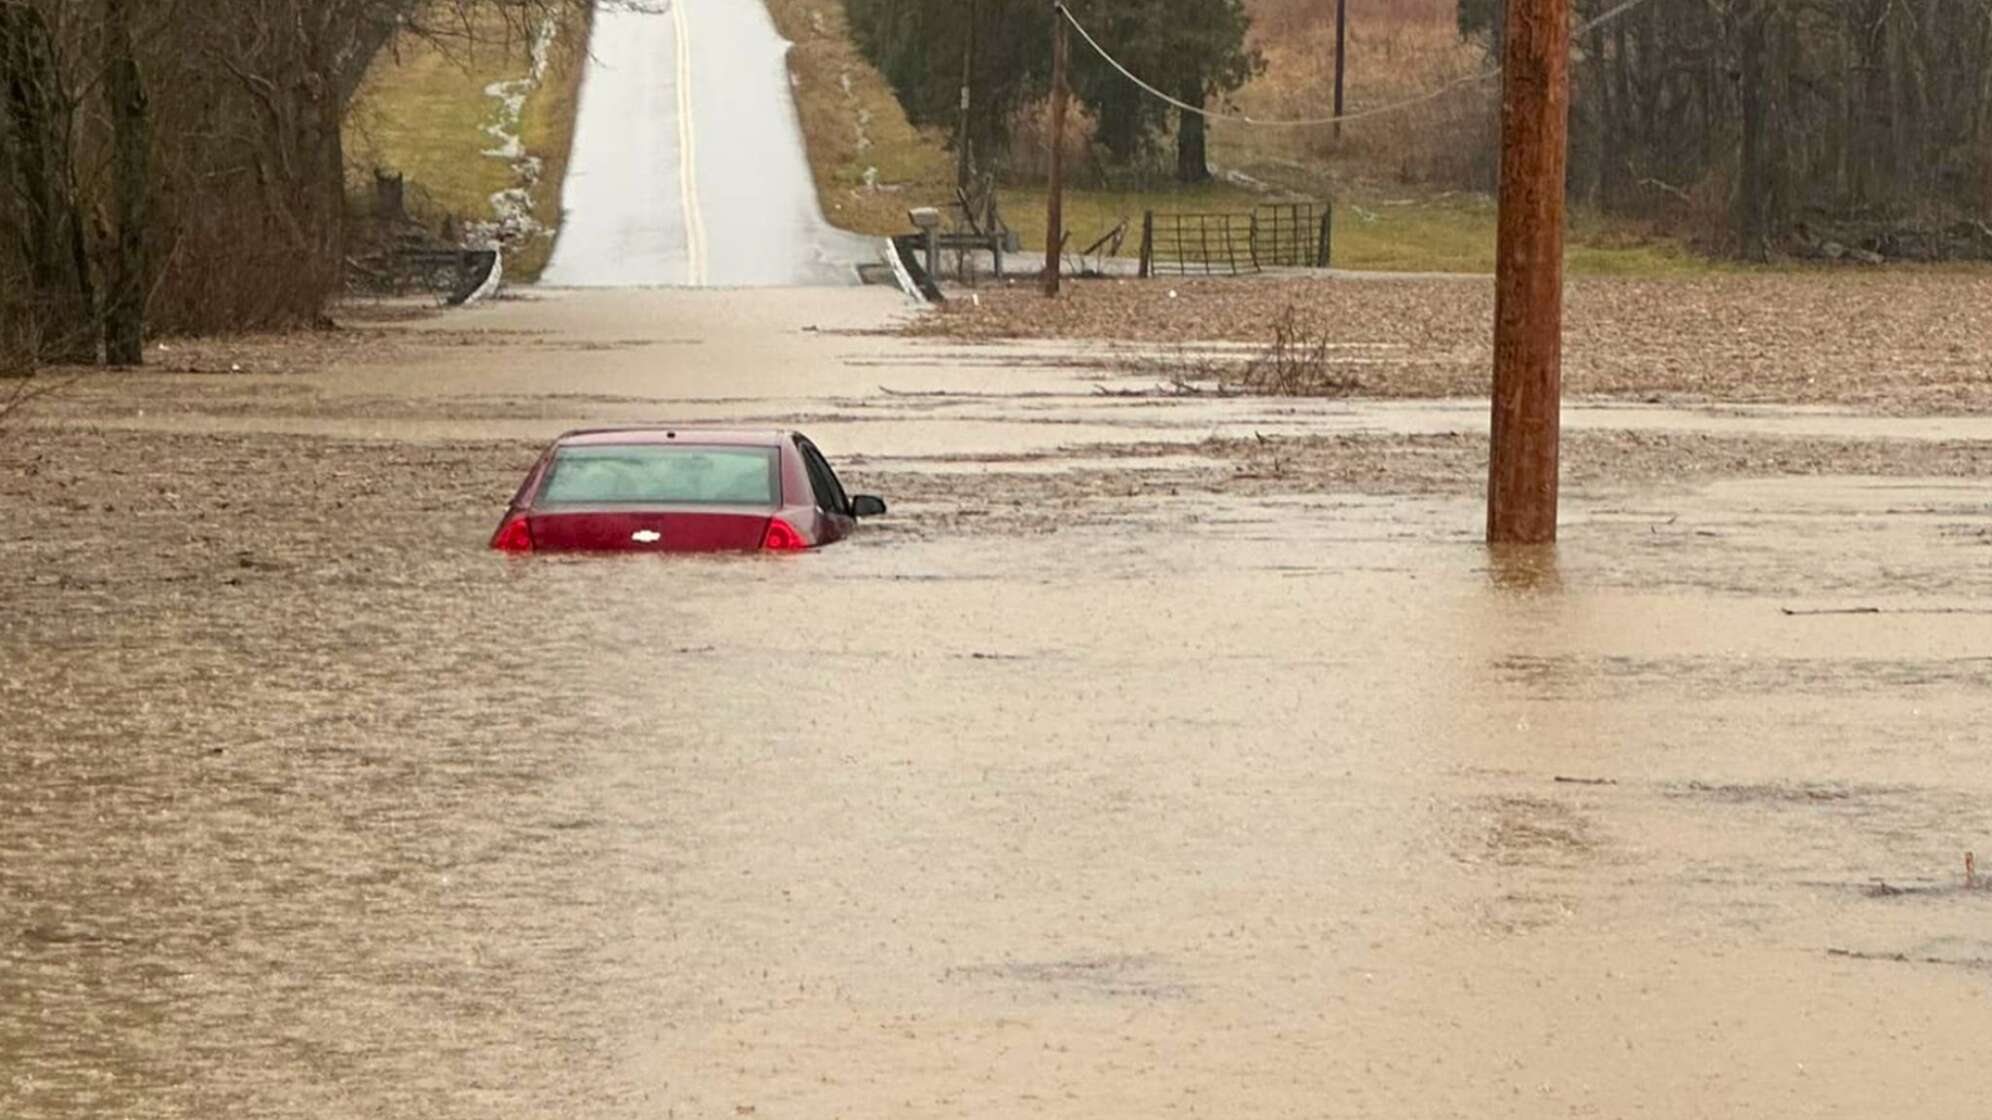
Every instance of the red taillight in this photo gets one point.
(782, 537)
(513, 535)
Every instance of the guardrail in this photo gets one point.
(457, 276)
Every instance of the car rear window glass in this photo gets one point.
(661, 474)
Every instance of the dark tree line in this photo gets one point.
(1194, 49)
(1779, 114)
(178, 166)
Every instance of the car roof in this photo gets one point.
(675, 433)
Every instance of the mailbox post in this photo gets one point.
(927, 220)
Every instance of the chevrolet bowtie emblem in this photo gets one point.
(646, 536)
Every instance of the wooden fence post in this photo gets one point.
(1054, 236)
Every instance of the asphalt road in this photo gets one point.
(688, 167)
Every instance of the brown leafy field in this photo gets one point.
(1902, 342)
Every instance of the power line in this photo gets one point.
(1395, 106)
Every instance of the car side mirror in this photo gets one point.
(864, 505)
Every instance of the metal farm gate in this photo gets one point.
(1278, 235)
(1290, 235)
(1204, 244)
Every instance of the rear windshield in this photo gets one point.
(661, 474)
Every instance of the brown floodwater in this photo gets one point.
(1142, 805)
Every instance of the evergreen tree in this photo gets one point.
(1193, 48)
(918, 45)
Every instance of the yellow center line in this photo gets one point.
(695, 248)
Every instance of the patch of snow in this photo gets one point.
(512, 208)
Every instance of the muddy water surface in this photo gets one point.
(1061, 802)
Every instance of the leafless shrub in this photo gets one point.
(17, 392)
(20, 335)
(1298, 362)
(1181, 365)
(37, 331)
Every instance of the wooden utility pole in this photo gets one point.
(1528, 274)
(1341, 58)
(1054, 206)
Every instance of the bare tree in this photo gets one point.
(184, 158)
(47, 300)
(124, 90)
(1871, 116)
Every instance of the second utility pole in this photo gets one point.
(964, 153)
(1341, 58)
(1054, 207)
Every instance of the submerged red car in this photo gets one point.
(686, 489)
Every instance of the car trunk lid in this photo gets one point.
(597, 530)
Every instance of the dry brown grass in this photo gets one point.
(1280, 18)
(1397, 50)
(870, 164)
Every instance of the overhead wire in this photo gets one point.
(1396, 106)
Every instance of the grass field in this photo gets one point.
(1372, 232)
(424, 110)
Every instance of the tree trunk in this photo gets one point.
(30, 163)
(325, 113)
(1610, 180)
(1898, 101)
(56, 312)
(1981, 124)
(1192, 166)
(1844, 117)
(351, 70)
(1622, 118)
(1753, 186)
(131, 141)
